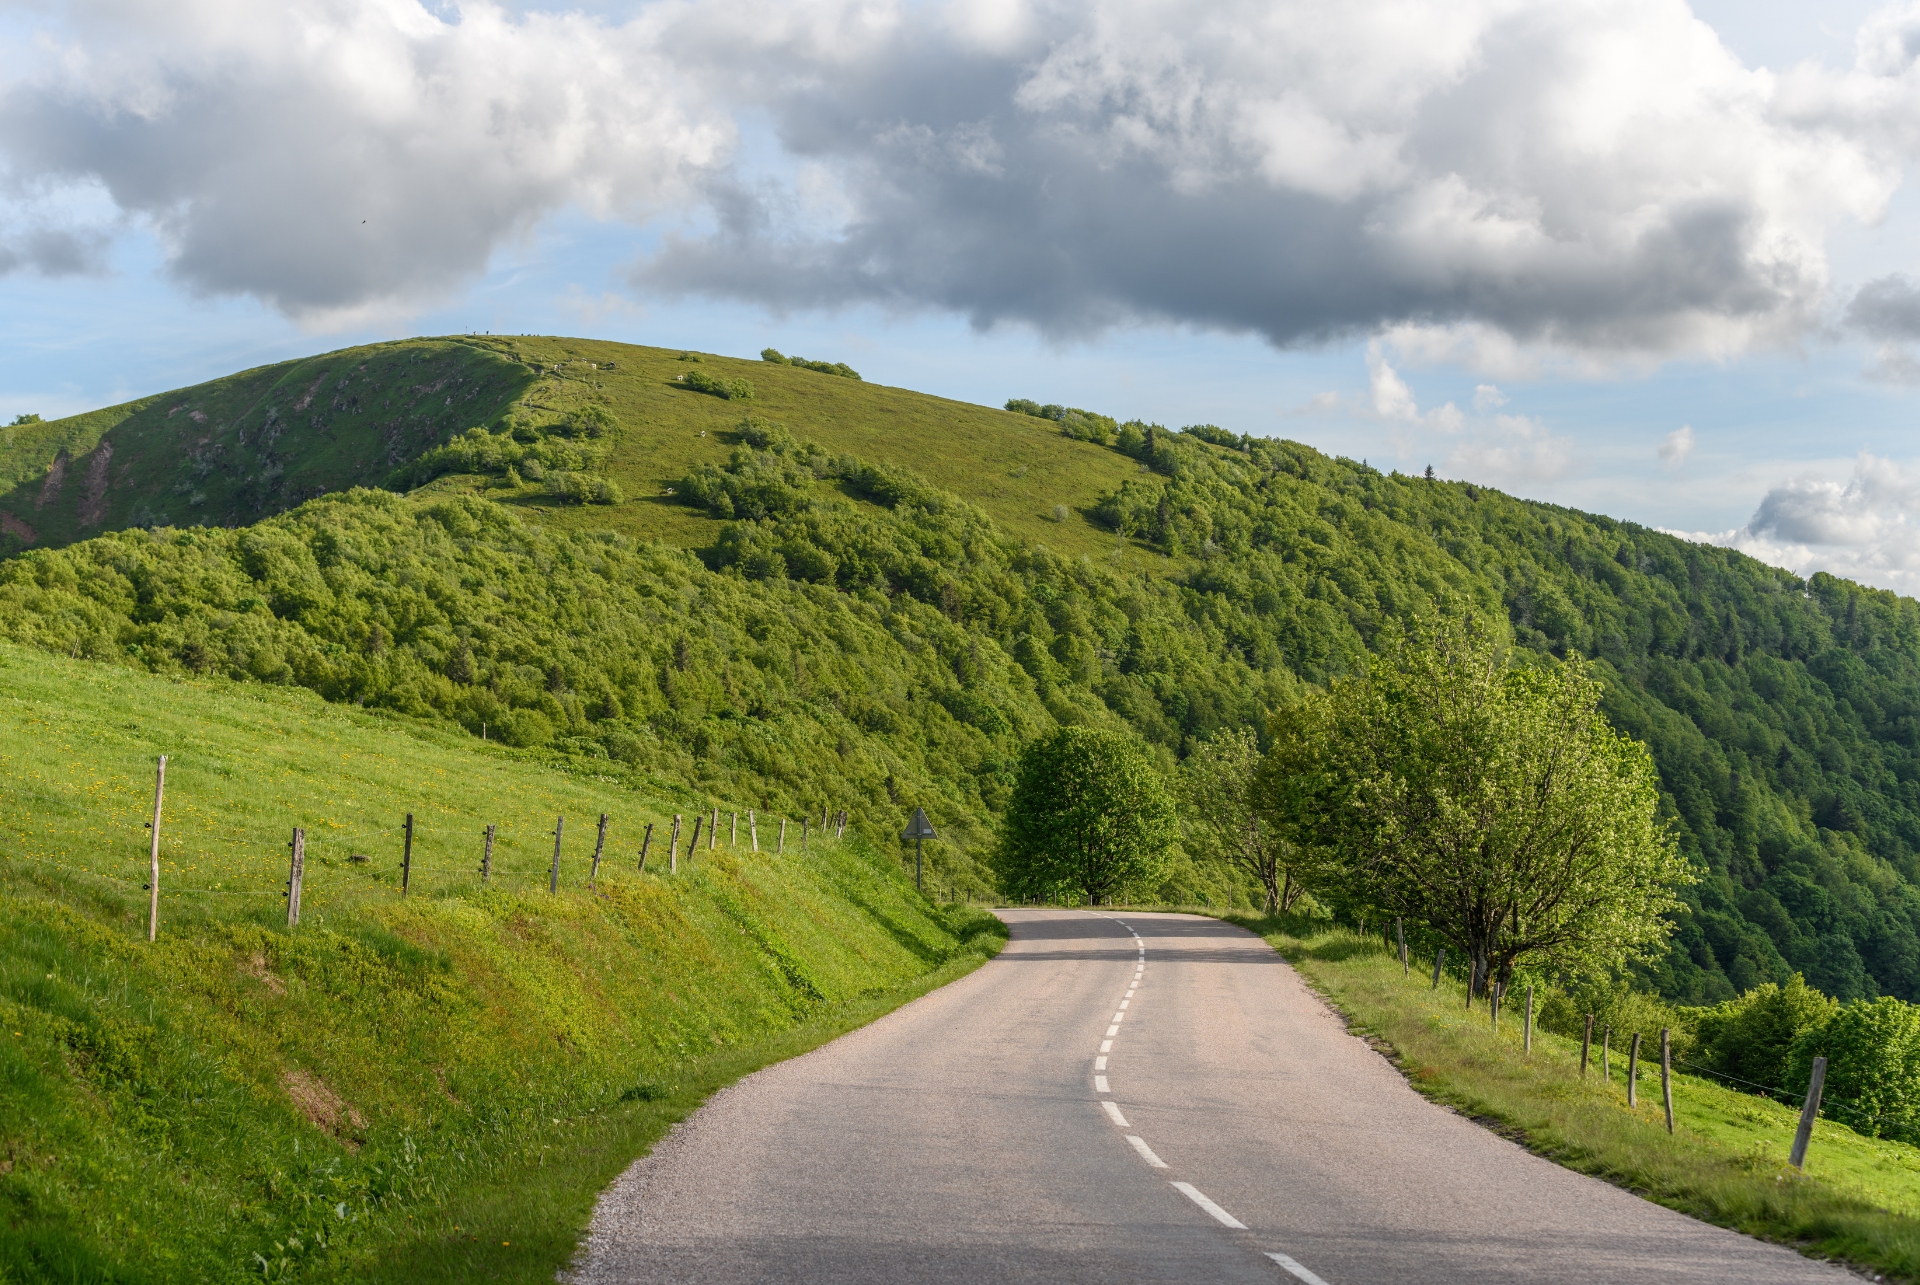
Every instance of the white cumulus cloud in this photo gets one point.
(1866, 528)
(1676, 446)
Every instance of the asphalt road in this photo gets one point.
(1103, 1107)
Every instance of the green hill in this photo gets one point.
(836, 590)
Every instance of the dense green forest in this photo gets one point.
(836, 627)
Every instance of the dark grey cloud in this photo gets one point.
(1886, 308)
(1295, 171)
(55, 252)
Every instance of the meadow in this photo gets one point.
(424, 1087)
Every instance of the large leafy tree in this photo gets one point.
(1219, 821)
(1089, 815)
(1491, 801)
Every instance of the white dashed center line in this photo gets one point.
(1220, 1215)
(1113, 1114)
(1146, 1154)
(1295, 1268)
(1106, 1046)
(1099, 1064)
(1100, 1084)
(1111, 1032)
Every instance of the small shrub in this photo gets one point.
(839, 368)
(18, 420)
(1060, 512)
(733, 390)
(583, 488)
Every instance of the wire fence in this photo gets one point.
(101, 830)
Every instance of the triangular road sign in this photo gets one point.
(919, 827)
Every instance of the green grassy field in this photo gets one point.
(427, 1088)
(1726, 1162)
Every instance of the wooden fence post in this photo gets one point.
(803, 834)
(599, 844)
(693, 840)
(782, 845)
(1493, 1004)
(553, 879)
(753, 830)
(1526, 1045)
(1586, 1044)
(673, 847)
(1439, 959)
(713, 830)
(1808, 1110)
(645, 841)
(1666, 1075)
(486, 859)
(1633, 1071)
(1606, 1052)
(845, 817)
(406, 858)
(153, 852)
(295, 870)
(733, 829)
(1400, 932)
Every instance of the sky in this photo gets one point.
(1640, 258)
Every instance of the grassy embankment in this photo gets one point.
(432, 1088)
(1726, 1163)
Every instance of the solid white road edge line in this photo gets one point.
(1146, 1154)
(1295, 1268)
(1220, 1215)
(1100, 1084)
(1113, 1114)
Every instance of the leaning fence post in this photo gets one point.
(693, 840)
(599, 844)
(645, 841)
(406, 858)
(1808, 1110)
(1666, 1075)
(1400, 933)
(1526, 1045)
(673, 847)
(153, 854)
(486, 859)
(1586, 1043)
(296, 868)
(553, 880)
(1633, 1071)
(1439, 959)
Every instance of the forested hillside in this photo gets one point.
(834, 591)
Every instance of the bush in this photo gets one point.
(1750, 1038)
(1081, 425)
(525, 729)
(839, 368)
(583, 488)
(1872, 1049)
(733, 390)
(18, 420)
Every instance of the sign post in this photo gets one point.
(918, 829)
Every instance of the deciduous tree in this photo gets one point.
(1089, 814)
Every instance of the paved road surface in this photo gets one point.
(1123, 1098)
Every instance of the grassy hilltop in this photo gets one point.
(840, 591)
